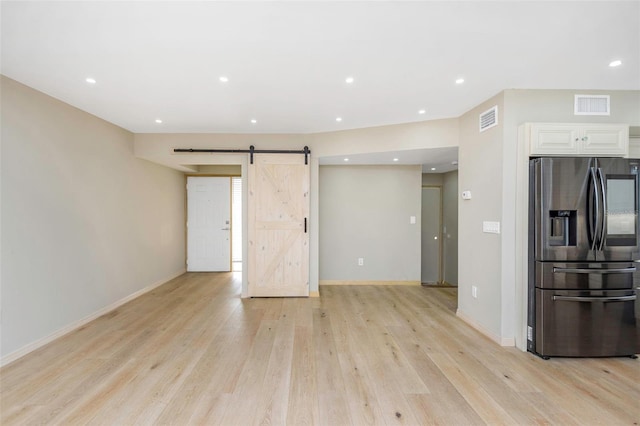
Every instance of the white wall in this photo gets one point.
(220, 170)
(158, 147)
(397, 137)
(364, 212)
(85, 224)
(432, 179)
(479, 253)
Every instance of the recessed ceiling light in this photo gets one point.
(349, 80)
(158, 121)
(396, 159)
(346, 160)
(433, 168)
(422, 111)
(90, 80)
(338, 119)
(615, 63)
(254, 121)
(460, 81)
(224, 79)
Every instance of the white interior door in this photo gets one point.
(278, 263)
(431, 210)
(208, 224)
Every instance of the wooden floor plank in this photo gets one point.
(472, 391)
(273, 398)
(363, 404)
(242, 406)
(192, 352)
(332, 405)
(303, 393)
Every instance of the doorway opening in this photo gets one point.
(208, 224)
(440, 228)
(431, 235)
(214, 222)
(236, 224)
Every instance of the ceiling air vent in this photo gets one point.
(592, 105)
(489, 118)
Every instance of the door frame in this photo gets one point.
(186, 214)
(440, 251)
(190, 160)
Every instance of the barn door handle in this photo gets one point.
(305, 225)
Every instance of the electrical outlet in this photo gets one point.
(361, 261)
(474, 291)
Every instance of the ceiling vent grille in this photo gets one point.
(592, 105)
(489, 118)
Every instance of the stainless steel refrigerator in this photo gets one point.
(584, 257)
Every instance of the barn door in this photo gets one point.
(278, 264)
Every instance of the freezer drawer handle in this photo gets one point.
(594, 299)
(594, 271)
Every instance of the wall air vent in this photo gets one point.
(592, 105)
(489, 118)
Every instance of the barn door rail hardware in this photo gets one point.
(252, 150)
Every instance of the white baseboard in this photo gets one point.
(13, 356)
(502, 341)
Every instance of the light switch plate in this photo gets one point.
(491, 227)
(412, 220)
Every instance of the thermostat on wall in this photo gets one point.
(466, 195)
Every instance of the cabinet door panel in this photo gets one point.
(605, 140)
(554, 139)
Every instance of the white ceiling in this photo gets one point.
(287, 61)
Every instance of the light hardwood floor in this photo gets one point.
(193, 352)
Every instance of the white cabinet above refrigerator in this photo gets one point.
(577, 140)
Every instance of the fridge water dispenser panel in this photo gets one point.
(562, 229)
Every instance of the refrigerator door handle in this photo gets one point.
(603, 225)
(629, 270)
(594, 299)
(593, 227)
